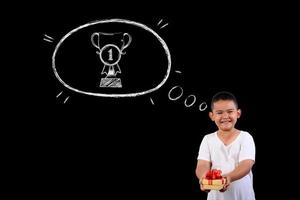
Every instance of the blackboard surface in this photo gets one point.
(61, 143)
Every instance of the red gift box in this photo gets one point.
(213, 180)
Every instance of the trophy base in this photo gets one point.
(111, 82)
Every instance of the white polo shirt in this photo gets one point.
(226, 158)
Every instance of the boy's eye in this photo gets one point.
(231, 111)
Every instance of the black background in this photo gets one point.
(93, 147)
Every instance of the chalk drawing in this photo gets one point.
(110, 55)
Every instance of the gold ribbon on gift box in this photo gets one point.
(213, 181)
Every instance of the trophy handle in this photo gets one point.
(125, 45)
(95, 42)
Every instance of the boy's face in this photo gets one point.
(225, 114)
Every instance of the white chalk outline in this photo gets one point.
(186, 99)
(200, 106)
(152, 101)
(105, 47)
(59, 94)
(163, 25)
(169, 94)
(159, 22)
(48, 38)
(66, 99)
(114, 21)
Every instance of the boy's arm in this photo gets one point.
(239, 172)
(202, 168)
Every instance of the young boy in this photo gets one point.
(228, 149)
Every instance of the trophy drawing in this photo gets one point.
(110, 48)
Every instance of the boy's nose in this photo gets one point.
(225, 114)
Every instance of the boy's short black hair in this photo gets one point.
(223, 95)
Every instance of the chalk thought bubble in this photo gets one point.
(113, 49)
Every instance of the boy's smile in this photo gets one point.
(225, 125)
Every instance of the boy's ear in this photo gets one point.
(239, 113)
(211, 116)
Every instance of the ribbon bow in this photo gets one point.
(111, 70)
(214, 174)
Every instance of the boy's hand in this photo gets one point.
(227, 183)
(201, 186)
